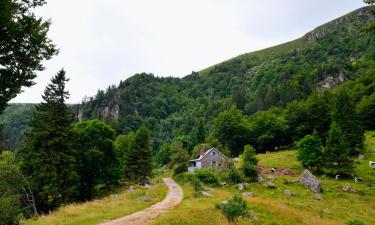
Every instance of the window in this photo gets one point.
(213, 153)
(213, 163)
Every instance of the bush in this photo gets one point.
(207, 176)
(195, 182)
(232, 175)
(356, 222)
(234, 208)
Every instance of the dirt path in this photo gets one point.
(145, 216)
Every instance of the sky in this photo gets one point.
(104, 41)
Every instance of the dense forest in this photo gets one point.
(267, 81)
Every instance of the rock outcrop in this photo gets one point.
(310, 181)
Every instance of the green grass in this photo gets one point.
(108, 208)
(272, 206)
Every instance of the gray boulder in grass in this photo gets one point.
(310, 181)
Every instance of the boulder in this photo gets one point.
(260, 178)
(318, 197)
(241, 186)
(223, 184)
(130, 189)
(144, 198)
(310, 181)
(248, 194)
(206, 194)
(348, 188)
(289, 193)
(271, 185)
(361, 157)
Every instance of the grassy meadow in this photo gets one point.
(108, 208)
(273, 207)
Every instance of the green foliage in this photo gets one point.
(337, 152)
(345, 116)
(234, 208)
(231, 129)
(249, 163)
(366, 111)
(139, 159)
(10, 190)
(195, 182)
(24, 45)
(48, 159)
(310, 151)
(180, 159)
(98, 164)
(123, 146)
(207, 176)
(232, 175)
(355, 222)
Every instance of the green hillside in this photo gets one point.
(322, 59)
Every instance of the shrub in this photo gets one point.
(356, 222)
(234, 208)
(195, 182)
(232, 175)
(207, 176)
(249, 162)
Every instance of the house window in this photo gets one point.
(213, 163)
(213, 153)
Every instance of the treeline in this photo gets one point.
(63, 161)
(173, 109)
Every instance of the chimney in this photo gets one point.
(202, 152)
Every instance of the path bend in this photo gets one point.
(173, 198)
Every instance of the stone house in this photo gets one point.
(211, 158)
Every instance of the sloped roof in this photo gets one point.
(206, 153)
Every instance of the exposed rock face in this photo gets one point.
(106, 111)
(331, 82)
(310, 181)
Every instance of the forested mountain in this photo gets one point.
(322, 59)
(175, 109)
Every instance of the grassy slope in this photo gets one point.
(108, 208)
(273, 207)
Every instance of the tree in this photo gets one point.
(98, 164)
(366, 111)
(345, 116)
(180, 159)
(200, 133)
(48, 159)
(123, 145)
(10, 194)
(24, 45)
(337, 152)
(310, 152)
(139, 164)
(249, 163)
(231, 129)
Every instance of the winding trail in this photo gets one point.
(174, 197)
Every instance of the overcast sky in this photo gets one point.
(104, 41)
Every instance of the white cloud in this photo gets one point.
(102, 42)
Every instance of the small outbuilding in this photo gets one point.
(211, 158)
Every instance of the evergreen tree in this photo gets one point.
(249, 163)
(180, 159)
(337, 152)
(139, 164)
(310, 152)
(98, 164)
(48, 159)
(345, 116)
(201, 133)
(123, 146)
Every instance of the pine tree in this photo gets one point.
(345, 116)
(139, 164)
(48, 160)
(337, 152)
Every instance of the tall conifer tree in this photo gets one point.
(48, 160)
